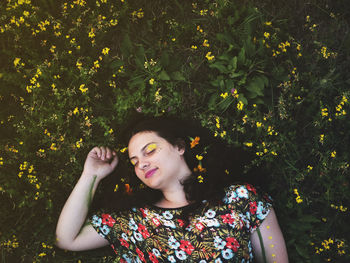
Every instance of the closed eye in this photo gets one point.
(148, 153)
(133, 162)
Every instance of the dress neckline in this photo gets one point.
(175, 208)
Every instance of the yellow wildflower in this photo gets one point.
(53, 147)
(209, 56)
(333, 154)
(79, 143)
(123, 150)
(91, 33)
(223, 134)
(266, 34)
(199, 157)
(324, 112)
(79, 64)
(224, 95)
(321, 138)
(240, 105)
(200, 179)
(151, 81)
(205, 43)
(16, 61)
(82, 89)
(105, 51)
(113, 22)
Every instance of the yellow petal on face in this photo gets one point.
(133, 162)
(151, 147)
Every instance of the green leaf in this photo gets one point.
(177, 76)
(236, 74)
(213, 101)
(241, 57)
(256, 86)
(233, 63)
(309, 219)
(243, 99)
(116, 64)
(225, 103)
(302, 251)
(126, 46)
(140, 57)
(219, 66)
(164, 59)
(163, 75)
(137, 82)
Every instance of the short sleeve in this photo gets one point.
(121, 230)
(253, 204)
(105, 225)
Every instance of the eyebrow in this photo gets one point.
(143, 148)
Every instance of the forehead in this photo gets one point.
(139, 140)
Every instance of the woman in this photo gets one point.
(188, 211)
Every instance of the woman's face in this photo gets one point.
(157, 163)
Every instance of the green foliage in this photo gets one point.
(269, 76)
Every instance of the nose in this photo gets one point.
(143, 164)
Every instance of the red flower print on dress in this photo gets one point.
(143, 211)
(107, 220)
(124, 243)
(153, 257)
(115, 251)
(253, 207)
(199, 226)
(232, 243)
(228, 219)
(143, 230)
(186, 246)
(181, 222)
(156, 221)
(141, 255)
(251, 188)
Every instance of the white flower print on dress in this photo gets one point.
(167, 215)
(180, 254)
(173, 243)
(242, 192)
(210, 213)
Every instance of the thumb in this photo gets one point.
(114, 161)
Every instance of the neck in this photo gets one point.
(173, 199)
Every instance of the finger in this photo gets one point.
(96, 151)
(108, 153)
(103, 153)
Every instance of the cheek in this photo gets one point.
(137, 172)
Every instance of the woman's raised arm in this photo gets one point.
(70, 235)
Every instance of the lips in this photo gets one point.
(150, 173)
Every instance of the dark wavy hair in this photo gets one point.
(223, 165)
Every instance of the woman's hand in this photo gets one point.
(70, 232)
(100, 162)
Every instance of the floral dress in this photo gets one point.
(216, 232)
